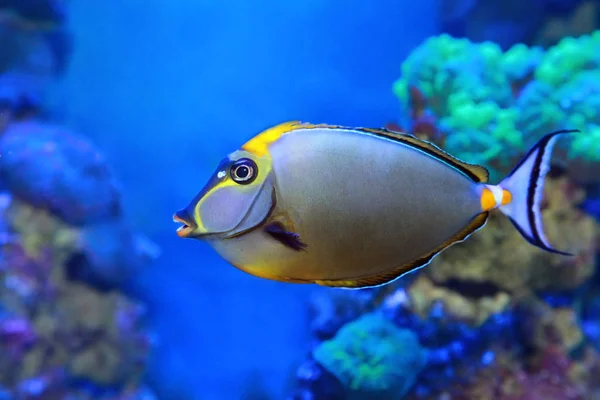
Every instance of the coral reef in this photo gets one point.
(61, 337)
(53, 169)
(66, 332)
(489, 106)
(495, 346)
(551, 376)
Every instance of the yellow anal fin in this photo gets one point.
(387, 277)
(477, 173)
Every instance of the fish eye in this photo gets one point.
(244, 171)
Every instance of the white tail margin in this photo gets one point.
(526, 184)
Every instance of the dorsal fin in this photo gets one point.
(477, 173)
(382, 279)
(259, 145)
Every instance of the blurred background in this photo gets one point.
(114, 114)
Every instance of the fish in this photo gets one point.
(354, 207)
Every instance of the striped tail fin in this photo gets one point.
(525, 183)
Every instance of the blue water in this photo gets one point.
(166, 89)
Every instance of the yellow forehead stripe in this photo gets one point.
(259, 145)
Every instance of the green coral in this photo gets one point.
(520, 61)
(373, 358)
(444, 65)
(569, 57)
(492, 106)
(569, 79)
(469, 119)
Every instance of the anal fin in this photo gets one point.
(387, 277)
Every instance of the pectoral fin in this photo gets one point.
(289, 239)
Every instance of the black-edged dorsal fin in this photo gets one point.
(477, 173)
(260, 143)
(382, 279)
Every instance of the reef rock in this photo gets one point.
(50, 167)
(47, 167)
(551, 376)
(60, 337)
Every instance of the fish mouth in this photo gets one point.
(187, 227)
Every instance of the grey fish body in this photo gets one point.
(362, 204)
(354, 207)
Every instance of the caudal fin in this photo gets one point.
(526, 185)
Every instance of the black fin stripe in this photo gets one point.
(424, 149)
(542, 143)
(536, 243)
(532, 188)
(534, 180)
